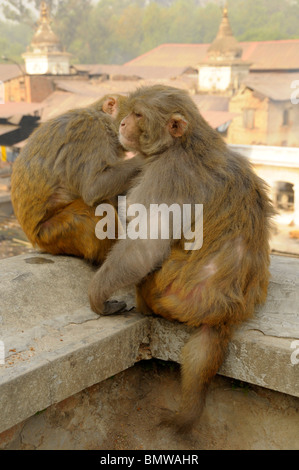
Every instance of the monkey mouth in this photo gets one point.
(127, 143)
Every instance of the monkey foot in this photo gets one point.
(112, 307)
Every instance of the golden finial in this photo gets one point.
(225, 9)
(44, 13)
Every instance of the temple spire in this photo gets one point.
(44, 37)
(225, 45)
(45, 54)
(44, 13)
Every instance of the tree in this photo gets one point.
(71, 24)
(154, 26)
(25, 11)
(13, 40)
(115, 31)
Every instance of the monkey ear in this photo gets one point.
(110, 106)
(177, 125)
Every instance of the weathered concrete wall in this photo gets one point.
(122, 413)
(56, 347)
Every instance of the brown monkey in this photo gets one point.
(69, 165)
(217, 286)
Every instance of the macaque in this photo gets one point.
(70, 164)
(213, 285)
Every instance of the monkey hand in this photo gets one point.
(101, 307)
(110, 307)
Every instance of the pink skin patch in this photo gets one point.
(129, 155)
(195, 294)
(206, 272)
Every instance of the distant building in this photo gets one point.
(45, 61)
(45, 54)
(264, 113)
(242, 89)
(18, 86)
(251, 81)
(224, 69)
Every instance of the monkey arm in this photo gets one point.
(113, 180)
(128, 263)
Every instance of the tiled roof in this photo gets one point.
(142, 72)
(60, 102)
(217, 118)
(211, 102)
(172, 55)
(277, 86)
(9, 71)
(264, 55)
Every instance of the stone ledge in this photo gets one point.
(56, 346)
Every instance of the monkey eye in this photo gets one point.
(138, 115)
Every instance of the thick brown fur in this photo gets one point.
(212, 288)
(70, 164)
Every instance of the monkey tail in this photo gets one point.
(202, 356)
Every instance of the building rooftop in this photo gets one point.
(277, 87)
(264, 55)
(9, 72)
(141, 72)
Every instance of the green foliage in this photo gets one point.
(13, 40)
(71, 24)
(116, 31)
(253, 20)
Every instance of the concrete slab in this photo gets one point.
(55, 346)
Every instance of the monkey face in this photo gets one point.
(129, 131)
(157, 119)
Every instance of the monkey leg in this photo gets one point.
(204, 352)
(71, 231)
(202, 356)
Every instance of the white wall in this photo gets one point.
(275, 164)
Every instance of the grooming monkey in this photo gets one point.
(212, 288)
(69, 165)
